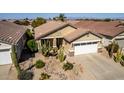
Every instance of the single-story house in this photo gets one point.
(113, 30)
(11, 35)
(82, 37)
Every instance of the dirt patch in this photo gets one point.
(54, 68)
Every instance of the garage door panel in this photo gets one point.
(85, 49)
(121, 42)
(5, 57)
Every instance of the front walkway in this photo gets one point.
(99, 67)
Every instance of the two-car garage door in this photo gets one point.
(85, 47)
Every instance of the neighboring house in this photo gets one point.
(11, 35)
(113, 30)
(82, 37)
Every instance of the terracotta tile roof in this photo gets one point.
(104, 28)
(48, 28)
(10, 33)
(82, 27)
(77, 34)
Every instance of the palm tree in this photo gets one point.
(61, 17)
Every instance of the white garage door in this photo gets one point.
(5, 57)
(85, 48)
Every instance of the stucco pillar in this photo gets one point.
(54, 42)
(39, 45)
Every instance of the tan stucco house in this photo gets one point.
(11, 35)
(82, 37)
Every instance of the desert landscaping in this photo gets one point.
(61, 49)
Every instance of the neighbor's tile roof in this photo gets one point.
(73, 22)
(104, 28)
(49, 27)
(10, 33)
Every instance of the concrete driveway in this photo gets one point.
(7, 72)
(100, 67)
(4, 71)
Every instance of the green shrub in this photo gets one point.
(46, 50)
(122, 61)
(115, 47)
(44, 76)
(54, 51)
(61, 55)
(118, 56)
(112, 48)
(25, 75)
(32, 45)
(22, 22)
(39, 64)
(29, 34)
(15, 61)
(122, 57)
(38, 21)
(68, 66)
(107, 19)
